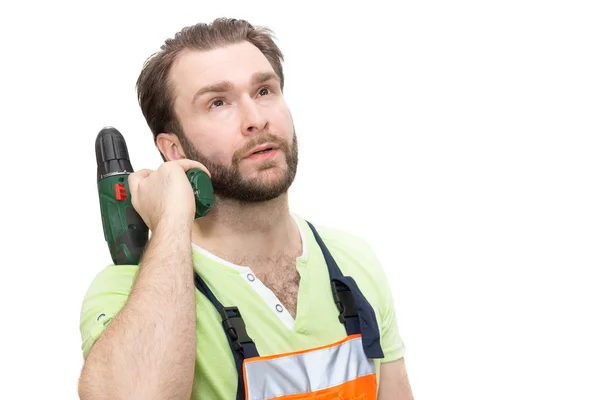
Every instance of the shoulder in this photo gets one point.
(350, 248)
(106, 294)
(355, 257)
(113, 277)
(337, 237)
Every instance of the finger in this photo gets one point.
(135, 178)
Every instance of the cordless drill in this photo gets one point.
(124, 230)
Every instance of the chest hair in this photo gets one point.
(281, 276)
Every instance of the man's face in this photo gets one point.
(236, 121)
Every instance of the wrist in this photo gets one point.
(174, 226)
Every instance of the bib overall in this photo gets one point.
(340, 370)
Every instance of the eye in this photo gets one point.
(217, 103)
(264, 91)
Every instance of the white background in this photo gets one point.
(460, 138)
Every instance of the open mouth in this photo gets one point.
(263, 151)
(263, 154)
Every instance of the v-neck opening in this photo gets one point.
(269, 298)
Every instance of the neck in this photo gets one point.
(238, 231)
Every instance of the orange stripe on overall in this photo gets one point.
(337, 371)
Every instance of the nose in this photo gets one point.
(253, 118)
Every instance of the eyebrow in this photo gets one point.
(262, 77)
(225, 86)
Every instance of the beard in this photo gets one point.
(228, 181)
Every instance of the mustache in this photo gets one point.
(257, 141)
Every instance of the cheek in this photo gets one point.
(216, 149)
(282, 121)
(212, 138)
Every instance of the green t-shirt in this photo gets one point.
(268, 323)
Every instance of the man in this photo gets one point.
(168, 328)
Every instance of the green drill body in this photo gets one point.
(124, 230)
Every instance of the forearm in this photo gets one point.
(394, 383)
(148, 350)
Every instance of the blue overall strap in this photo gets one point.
(356, 313)
(241, 345)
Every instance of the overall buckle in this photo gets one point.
(235, 327)
(344, 300)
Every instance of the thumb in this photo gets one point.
(188, 164)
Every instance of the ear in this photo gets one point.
(169, 146)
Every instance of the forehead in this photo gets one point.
(235, 63)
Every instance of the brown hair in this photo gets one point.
(153, 86)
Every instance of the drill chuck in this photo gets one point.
(112, 156)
